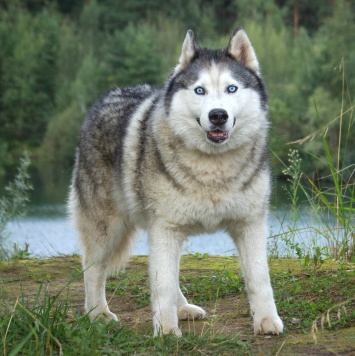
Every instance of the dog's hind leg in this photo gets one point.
(188, 311)
(106, 249)
(95, 296)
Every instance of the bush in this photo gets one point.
(13, 204)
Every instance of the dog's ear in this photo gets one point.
(240, 48)
(188, 50)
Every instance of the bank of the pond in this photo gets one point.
(303, 296)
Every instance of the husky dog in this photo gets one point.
(188, 158)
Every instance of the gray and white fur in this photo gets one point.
(188, 158)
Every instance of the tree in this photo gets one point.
(28, 74)
(133, 57)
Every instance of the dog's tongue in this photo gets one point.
(217, 136)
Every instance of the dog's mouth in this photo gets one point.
(217, 136)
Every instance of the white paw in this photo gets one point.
(106, 315)
(268, 325)
(191, 312)
(160, 331)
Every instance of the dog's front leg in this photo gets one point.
(165, 251)
(250, 238)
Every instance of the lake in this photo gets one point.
(49, 232)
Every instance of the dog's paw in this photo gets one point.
(109, 316)
(268, 325)
(191, 312)
(105, 315)
(163, 331)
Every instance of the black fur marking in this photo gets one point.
(249, 79)
(142, 144)
(164, 169)
(121, 105)
(185, 169)
(172, 87)
(122, 129)
(261, 165)
(77, 183)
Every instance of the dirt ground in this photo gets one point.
(229, 315)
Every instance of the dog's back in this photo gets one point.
(105, 126)
(100, 149)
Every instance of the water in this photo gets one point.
(53, 234)
(56, 236)
(48, 231)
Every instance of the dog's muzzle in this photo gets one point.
(218, 117)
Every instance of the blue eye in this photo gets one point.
(200, 91)
(232, 89)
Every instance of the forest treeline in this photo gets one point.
(58, 56)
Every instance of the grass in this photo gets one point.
(323, 226)
(41, 312)
(211, 286)
(303, 298)
(49, 328)
(13, 205)
(50, 324)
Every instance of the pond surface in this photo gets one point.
(49, 232)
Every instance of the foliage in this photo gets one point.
(210, 287)
(122, 55)
(293, 171)
(201, 288)
(13, 204)
(304, 297)
(331, 205)
(339, 203)
(21, 253)
(58, 56)
(52, 325)
(47, 318)
(27, 73)
(329, 190)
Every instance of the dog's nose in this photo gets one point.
(218, 117)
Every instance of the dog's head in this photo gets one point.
(215, 99)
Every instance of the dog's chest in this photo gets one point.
(208, 194)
